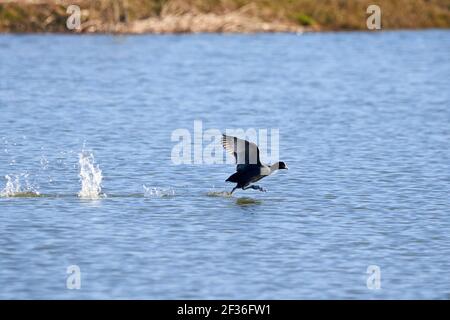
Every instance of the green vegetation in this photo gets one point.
(305, 20)
(117, 15)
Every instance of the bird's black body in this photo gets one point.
(245, 174)
(249, 168)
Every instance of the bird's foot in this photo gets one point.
(258, 188)
(230, 193)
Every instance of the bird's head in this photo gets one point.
(282, 165)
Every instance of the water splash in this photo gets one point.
(90, 177)
(158, 192)
(213, 192)
(14, 187)
(224, 194)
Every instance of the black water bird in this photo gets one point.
(249, 168)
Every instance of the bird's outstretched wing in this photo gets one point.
(245, 152)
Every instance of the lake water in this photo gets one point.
(364, 122)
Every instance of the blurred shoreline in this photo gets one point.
(217, 16)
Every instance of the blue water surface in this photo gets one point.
(364, 122)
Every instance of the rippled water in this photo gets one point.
(364, 123)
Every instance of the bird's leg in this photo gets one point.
(233, 190)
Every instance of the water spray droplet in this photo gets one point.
(90, 177)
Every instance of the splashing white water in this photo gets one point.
(90, 177)
(213, 192)
(14, 187)
(158, 192)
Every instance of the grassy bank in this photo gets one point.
(161, 16)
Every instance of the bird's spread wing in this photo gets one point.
(244, 151)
